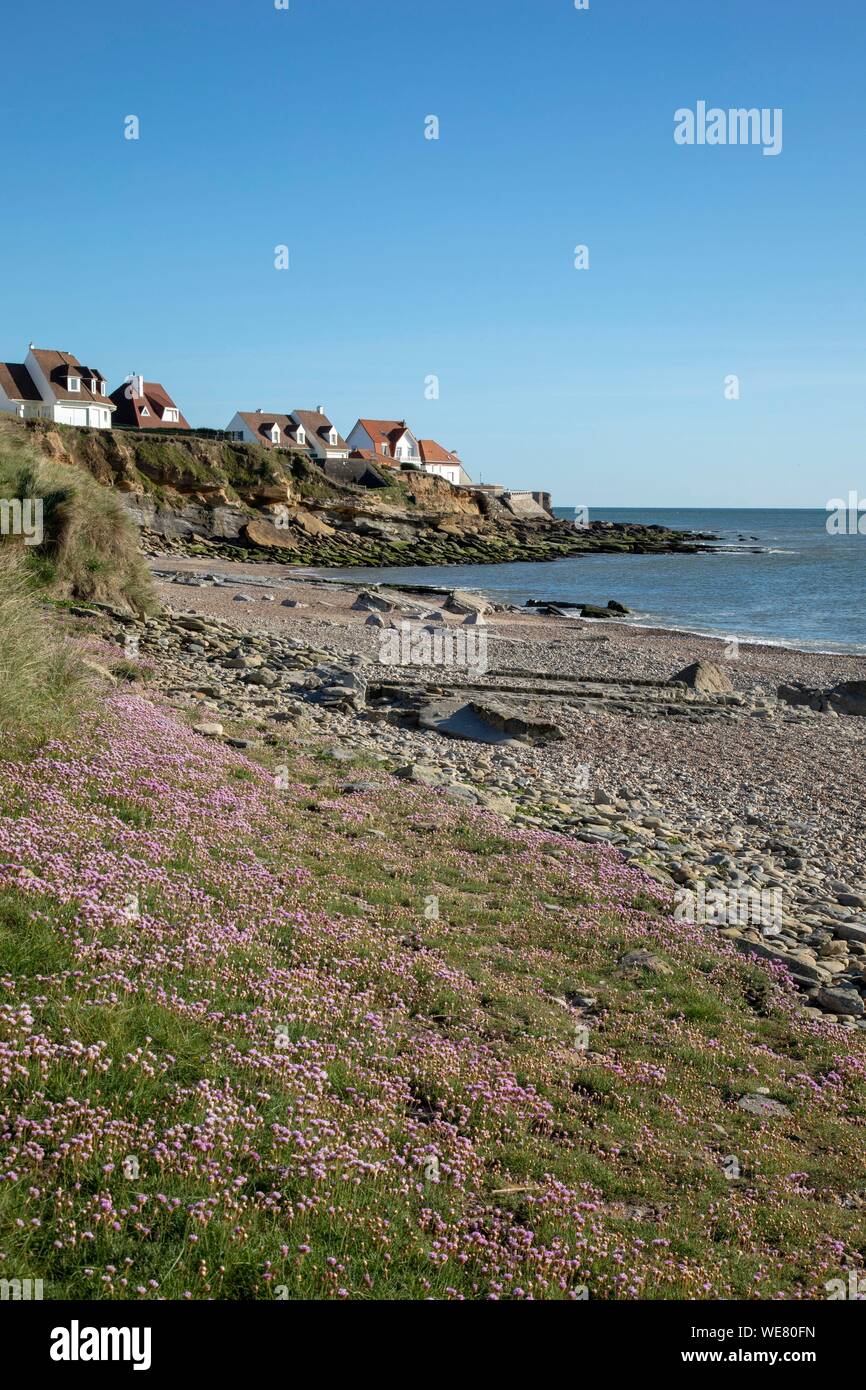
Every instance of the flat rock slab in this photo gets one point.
(456, 719)
(367, 602)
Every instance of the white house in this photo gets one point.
(270, 428)
(51, 385)
(390, 441)
(324, 439)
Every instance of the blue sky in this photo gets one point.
(413, 257)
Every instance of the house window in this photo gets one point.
(171, 416)
(144, 410)
(275, 435)
(333, 436)
(385, 449)
(73, 383)
(102, 388)
(302, 435)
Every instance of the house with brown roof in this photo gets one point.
(146, 405)
(389, 441)
(392, 442)
(270, 428)
(52, 385)
(325, 442)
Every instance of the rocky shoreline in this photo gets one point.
(356, 540)
(724, 792)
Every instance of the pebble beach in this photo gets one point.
(749, 794)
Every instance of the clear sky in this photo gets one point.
(412, 257)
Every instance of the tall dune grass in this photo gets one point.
(43, 683)
(90, 546)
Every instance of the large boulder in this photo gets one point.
(796, 693)
(591, 610)
(311, 524)
(264, 533)
(705, 678)
(838, 1000)
(462, 601)
(848, 697)
(367, 602)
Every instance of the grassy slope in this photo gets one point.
(90, 546)
(42, 685)
(297, 1163)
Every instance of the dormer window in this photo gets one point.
(302, 435)
(332, 437)
(102, 388)
(275, 434)
(170, 416)
(73, 383)
(94, 386)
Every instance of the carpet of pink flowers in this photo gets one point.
(226, 1073)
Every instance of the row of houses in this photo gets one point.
(55, 386)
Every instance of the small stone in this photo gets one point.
(645, 960)
(763, 1106)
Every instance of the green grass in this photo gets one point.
(90, 546)
(639, 1122)
(42, 681)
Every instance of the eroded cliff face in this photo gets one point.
(191, 487)
(209, 496)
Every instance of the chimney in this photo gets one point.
(138, 385)
(320, 409)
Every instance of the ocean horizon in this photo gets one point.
(780, 578)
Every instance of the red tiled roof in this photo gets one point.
(387, 432)
(370, 457)
(431, 452)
